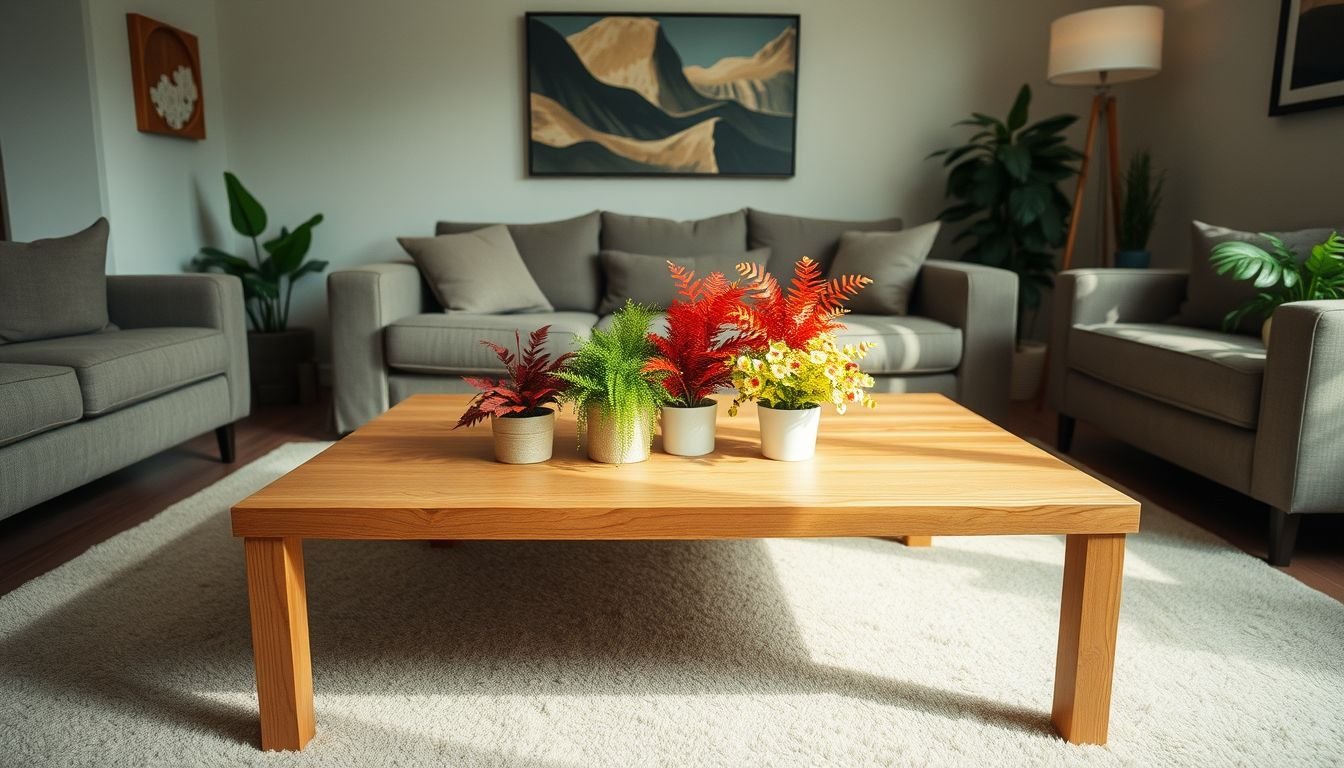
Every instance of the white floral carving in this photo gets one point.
(175, 100)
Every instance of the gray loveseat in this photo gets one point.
(75, 408)
(391, 340)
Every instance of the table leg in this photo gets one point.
(1089, 614)
(279, 607)
(915, 541)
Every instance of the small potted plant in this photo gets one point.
(1138, 212)
(695, 355)
(523, 426)
(615, 396)
(798, 366)
(1280, 275)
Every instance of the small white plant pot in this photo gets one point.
(789, 435)
(603, 446)
(689, 431)
(524, 439)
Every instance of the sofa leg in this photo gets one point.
(1064, 434)
(1282, 536)
(224, 435)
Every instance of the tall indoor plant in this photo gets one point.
(524, 428)
(1280, 275)
(279, 357)
(1139, 202)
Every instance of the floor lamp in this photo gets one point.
(1099, 48)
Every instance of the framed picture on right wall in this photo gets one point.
(1308, 66)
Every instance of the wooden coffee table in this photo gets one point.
(919, 465)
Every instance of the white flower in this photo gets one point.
(817, 356)
(175, 101)
(779, 371)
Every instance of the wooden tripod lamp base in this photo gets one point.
(1102, 103)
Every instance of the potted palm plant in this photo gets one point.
(615, 396)
(1139, 202)
(524, 428)
(694, 355)
(1280, 275)
(280, 358)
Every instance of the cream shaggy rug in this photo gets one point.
(783, 652)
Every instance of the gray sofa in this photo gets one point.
(391, 340)
(75, 408)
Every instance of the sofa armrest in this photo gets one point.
(982, 302)
(194, 301)
(1298, 448)
(1107, 296)
(362, 302)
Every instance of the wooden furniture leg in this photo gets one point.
(1089, 614)
(914, 541)
(279, 607)
(1113, 169)
(1098, 102)
(225, 437)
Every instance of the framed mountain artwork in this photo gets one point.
(1308, 65)
(665, 94)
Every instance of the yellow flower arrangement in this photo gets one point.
(792, 379)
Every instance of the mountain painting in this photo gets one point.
(661, 95)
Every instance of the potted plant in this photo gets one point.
(793, 364)
(695, 355)
(1280, 275)
(524, 428)
(1138, 212)
(1005, 181)
(280, 358)
(615, 396)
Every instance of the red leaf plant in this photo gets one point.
(810, 308)
(697, 352)
(530, 385)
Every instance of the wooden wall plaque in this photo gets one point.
(166, 78)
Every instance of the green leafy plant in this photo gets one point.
(610, 370)
(1280, 274)
(268, 281)
(1139, 203)
(1005, 181)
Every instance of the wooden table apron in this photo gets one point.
(918, 466)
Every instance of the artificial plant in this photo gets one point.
(530, 386)
(694, 352)
(1139, 203)
(811, 307)
(789, 378)
(1280, 274)
(268, 285)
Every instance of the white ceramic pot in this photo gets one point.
(1028, 367)
(689, 431)
(789, 435)
(524, 439)
(603, 446)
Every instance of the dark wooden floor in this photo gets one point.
(45, 536)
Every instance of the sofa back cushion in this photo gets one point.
(55, 287)
(560, 255)
(891, 259)
(667, 237)
(644, 279)
(790, 238)
(478, 271)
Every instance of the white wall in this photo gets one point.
(46, 119)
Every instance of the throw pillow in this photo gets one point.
(644, 279)
(560, 255)
(891, 259)
(54, 287)
(665, 237)
(790, 238)
(477, 271)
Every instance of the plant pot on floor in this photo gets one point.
(689, 431)
(1028, 368)
(789, 435)
(1133, 259)
(524, 439)
(604, 445)
(282, 367)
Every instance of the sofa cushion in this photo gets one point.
(119, 368)
(450, 342)
(1207, 372)
(891, 259)
(55, 287)
(560, 255)
(36, 398)
(645, 279)
(790, 238)
(904, 344)
(666, 237)
(478, 271)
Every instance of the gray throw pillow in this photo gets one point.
(477, 271)
(666, 237)
(560, 255)
(1210, 296)
(55, 287)
(790, 238)
(644, 279)
(891, 259)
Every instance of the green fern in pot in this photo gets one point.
(1280, 275)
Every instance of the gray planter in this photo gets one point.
(283, 368)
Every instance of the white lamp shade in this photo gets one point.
(1106, 45)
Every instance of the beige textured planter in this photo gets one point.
(1028, 367)
(689, 431)
(789, 435)
(524, 439)
(602, 444)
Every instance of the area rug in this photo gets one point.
(842, 652)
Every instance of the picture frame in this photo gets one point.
(624, 94)
(1308, 70)
(166, 79)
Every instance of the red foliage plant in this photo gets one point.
(701, 342)
(811, 307)
(530, 385)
